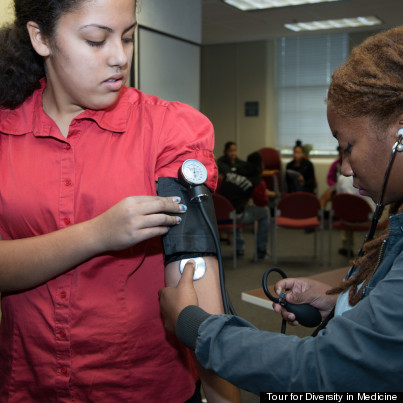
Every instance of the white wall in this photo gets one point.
(168, 67)
(181, 18)
(232, 75)
(167, 59)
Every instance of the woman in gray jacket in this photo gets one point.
(361, 348)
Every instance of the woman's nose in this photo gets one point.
(117, 57)
(346, 169)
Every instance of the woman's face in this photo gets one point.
(90, 59)
(232, 152)
(365, 156)
(298, 153)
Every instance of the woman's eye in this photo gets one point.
(95, 43)
(347, 150)
(128, 40)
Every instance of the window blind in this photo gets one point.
(304, 68)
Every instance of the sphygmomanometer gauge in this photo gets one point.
(192, 173)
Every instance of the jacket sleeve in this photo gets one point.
(259, 194)
(360, 350)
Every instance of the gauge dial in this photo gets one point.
(193, 172)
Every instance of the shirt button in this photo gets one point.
(67, 147)
(63, 295)
(67, 220)
(62, 334)
(67, 182)
(63, 371)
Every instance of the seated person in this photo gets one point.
(229, 162)
(300, 173)
(238, 187)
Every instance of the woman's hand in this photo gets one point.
(135, 219)
(174, 299)
(304, 291)
(127, 223)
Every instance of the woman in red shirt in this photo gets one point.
(80, 257)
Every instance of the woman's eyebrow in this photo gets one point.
(131, 27)
(97, 26)
(109, 29)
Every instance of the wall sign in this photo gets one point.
(252, 108)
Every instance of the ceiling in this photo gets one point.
(225, 24)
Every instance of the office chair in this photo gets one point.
(227, 221)
(272, 168)
(299, 210)
(352, 213)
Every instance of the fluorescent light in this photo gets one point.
(261, 4)
(334, 24)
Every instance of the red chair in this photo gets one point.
(352, 212)
(299, 210)
(226, 218)
(226, 221)
(272, 168)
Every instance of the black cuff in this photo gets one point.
(187, 326)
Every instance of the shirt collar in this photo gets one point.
(30, 116)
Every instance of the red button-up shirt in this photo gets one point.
(94, 333)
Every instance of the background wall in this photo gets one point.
(233, 74)
(167, 58)
(6, 11)
(180, 18)
(168, 67)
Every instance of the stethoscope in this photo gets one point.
(398, 146)
(306, 314)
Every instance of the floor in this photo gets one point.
(295, 258)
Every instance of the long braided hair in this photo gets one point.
(370, 84)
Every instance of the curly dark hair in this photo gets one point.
(21, 67)
(370, 84)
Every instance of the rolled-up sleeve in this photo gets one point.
(185, 134)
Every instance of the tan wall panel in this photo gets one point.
(6, 11)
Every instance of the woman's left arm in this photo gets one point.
(209, 297)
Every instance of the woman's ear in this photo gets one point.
(39, 43)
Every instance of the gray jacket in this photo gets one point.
(360, 350)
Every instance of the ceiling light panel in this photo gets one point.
(334, 24)
(245, 5)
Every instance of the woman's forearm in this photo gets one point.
(31, 261)
(28, 262)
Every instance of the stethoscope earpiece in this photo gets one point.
(400, 140)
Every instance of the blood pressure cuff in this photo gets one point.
(192, 237)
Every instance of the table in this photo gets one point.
(258, 297)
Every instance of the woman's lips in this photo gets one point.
(114, 83)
